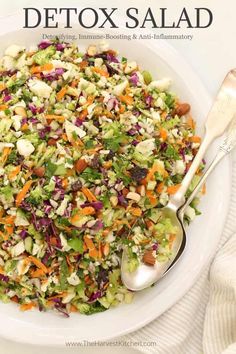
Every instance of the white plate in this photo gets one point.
(203, 235)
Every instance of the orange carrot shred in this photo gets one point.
(173, 189)
(21, 195)
(88, 194)
(26, 307)
(163, 134)
(38, 263)
(126, 99)
(61, 93)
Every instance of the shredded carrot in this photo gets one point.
(53, 241)
(3, 107)
(74, 83)
(87, 211)
(107, 164)
(126, 99)
(38, 263)
(83, 64)
(65, 183)
(21, 195)
(173, 189)
(38, 273)
(106, 232)
(26, 307)
(122, 222)
(152, 198)
(83, 114)
(156, 168)
(122, 109)
(55, 117)
(195, 139)
(163, 134)
(88, 194)
(88, 280)
(93, 252)
(8, 223)
(100, 71)
(2, 86)
(160, 187)
(5, 153)
(164, 115)
(90, 100)
(135, 211)
(61, 93)
(24, 127)
(40, 68)
(89, 242)
(75, 218)
(73, 308)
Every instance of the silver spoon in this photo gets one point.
(218, 119)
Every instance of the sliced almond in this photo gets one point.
(133, 196)
(148, 258)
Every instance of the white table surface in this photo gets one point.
(211, 54)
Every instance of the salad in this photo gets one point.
(91, 148)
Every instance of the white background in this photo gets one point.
(211, 53)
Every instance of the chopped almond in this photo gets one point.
(148, 258)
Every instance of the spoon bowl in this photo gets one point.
(145, 275)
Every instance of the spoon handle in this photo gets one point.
(217, 121)
(226, 147)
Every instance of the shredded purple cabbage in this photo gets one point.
(24, 121)
(96, 205)
(23, 234)
(111, 58)
(34, 120)
(60, 46)
(122, 201)
(44, 44)
(78, 122)
(149, 100)
(95, 296)
(4, 278)
(43, 132)
(98, 225)
(7, 98)
(134, 79)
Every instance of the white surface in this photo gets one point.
(203, 53)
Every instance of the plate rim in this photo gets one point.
(53, 342)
